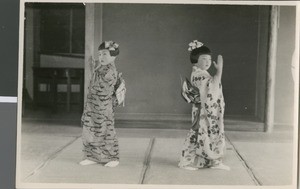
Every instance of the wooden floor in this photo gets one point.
(51, 150)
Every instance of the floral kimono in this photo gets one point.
(99, 136)
(205, 142)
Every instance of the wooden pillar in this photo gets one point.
(93, 38)
(262, 59)
(69, 88)
(271, 69)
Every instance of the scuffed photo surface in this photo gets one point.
(61, 38)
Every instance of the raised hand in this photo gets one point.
(92, 63)
(219, 64)
(219, 67)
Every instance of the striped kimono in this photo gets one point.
(100, 143)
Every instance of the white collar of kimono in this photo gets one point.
(199, 70)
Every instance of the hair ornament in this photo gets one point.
(110, 45)
(194, 44)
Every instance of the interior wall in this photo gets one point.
(153, 43)
(284, 86)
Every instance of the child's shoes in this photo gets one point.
(87, 162)
(189, 168)
(112, 164)
(221, 166)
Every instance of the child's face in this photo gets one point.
(204, 62)
(105, 58)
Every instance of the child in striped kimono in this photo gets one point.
(100, 143)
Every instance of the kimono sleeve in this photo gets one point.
(111, 77)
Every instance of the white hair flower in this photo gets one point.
(194, 44)
(106, 44)
(110, 45)
(116, 45)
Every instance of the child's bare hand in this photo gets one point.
(92, 63)
(219, 64)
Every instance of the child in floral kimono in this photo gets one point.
(205, 142)
(100, 144)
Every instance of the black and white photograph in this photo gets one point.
(164, 94)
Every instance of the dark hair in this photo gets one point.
(112, 53)
(194, 56)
